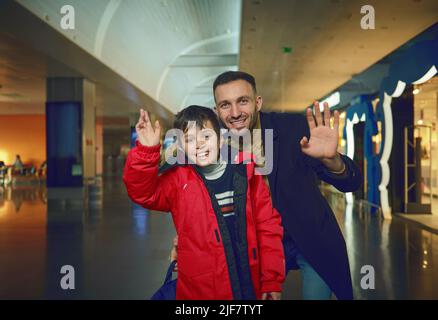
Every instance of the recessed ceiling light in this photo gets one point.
(11, 95)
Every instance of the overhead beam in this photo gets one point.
(206, 60)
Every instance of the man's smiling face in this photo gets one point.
(237, 105)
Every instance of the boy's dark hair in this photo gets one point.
(229, 76)
(199, 114)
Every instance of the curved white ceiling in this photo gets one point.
(144, 40)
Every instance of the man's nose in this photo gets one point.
(235, 111)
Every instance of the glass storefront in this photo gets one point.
(425, 119)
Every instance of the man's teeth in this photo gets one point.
(238, 121)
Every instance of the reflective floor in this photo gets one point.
(120, 251)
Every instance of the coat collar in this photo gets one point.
(267, 123)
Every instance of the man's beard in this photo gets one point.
(237, 141)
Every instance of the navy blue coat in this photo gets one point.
(305, 213)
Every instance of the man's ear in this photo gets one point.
(215, 111)
(259, 102)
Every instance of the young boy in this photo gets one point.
(229, 235)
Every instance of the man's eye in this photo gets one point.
(224, 105)
(244, 101)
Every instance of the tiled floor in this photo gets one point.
(119, 251)
(426, 221)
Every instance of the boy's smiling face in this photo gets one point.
(201, 144)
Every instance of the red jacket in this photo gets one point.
(203, 270)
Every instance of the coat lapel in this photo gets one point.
(267, 123)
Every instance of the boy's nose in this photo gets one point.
(200, 143)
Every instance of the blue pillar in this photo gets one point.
(64, 144)
(70, 129)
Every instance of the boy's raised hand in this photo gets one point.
(147, 134)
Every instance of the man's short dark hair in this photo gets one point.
(199, 114)
(229, 76)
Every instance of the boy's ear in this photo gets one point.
(180, 144)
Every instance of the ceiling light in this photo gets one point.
(420, 122)
(416, 91)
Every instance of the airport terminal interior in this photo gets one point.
(74, 75)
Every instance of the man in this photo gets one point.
(302, 152)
